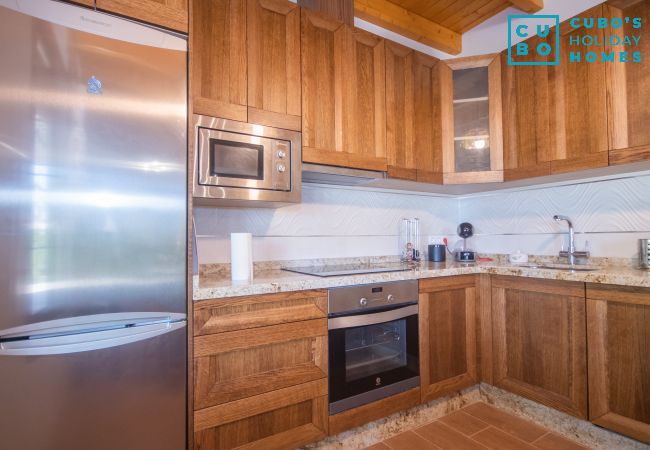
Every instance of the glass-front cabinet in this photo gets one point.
(472, 128)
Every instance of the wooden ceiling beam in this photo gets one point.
(529, 6)
(402, 21)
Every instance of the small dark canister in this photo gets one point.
(437, 252)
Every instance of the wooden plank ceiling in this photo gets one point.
(437, 23)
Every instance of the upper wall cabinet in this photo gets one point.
(273, 39)
(218, 58)
(471, 120)
(526, 118)
(343, 94)
(579, 118)
(165, 13)
(246, 61)
(413, 137)
(629, 88)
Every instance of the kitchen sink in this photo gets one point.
(569, 267)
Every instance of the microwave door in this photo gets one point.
(239, 160)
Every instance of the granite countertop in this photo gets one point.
(272, 279)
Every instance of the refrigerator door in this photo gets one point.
(92, 165)
(127, 397)
(92, 223)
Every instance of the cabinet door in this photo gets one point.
(526, 119)
(628, 87)
(281, 419)
(165, 13)
(472, 120)
(273, 41)
(579, 119)
(413, 139)
(343, 95)
(447, 335)
(618, 338)
(218, 58)
(400, 112)
(539, 342)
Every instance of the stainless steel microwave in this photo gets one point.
(242, 164)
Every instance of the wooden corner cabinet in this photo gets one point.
(343, 94)
(527, 109)
(448, 316)
(472, 133)
(618, 335)
(171, 14)
(413, 136)
(628, 86)
(539, 341)
(260, 371)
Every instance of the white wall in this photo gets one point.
(611, 215)
(335, 222)
(331, 222)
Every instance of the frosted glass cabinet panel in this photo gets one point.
(474, 144)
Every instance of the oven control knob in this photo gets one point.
(390, 298)
(363, 301)
(281, 154)
(281, 168)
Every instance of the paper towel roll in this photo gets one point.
(241, 256)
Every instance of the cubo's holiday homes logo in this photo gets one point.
(546, 51)
(584, 39)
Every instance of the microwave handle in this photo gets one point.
(371, 319)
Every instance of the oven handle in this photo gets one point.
(371, 319)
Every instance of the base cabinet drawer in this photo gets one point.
(282, 419)
(239, 364)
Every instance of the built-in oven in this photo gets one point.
(373, 343)
(238, 163)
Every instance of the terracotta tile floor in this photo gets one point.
(478, 426)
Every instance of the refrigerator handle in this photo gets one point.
(85, 341)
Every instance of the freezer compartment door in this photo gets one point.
(127, 397)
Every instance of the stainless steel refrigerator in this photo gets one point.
(92, 231)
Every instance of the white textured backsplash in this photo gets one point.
(611, 215)
(335, 222)
(330, 222)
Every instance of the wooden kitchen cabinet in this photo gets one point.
(165, 13)
(413, 136)
(245, 61)
(282, 419)
(448, 338)
(527, 111)
(218, 59)
(618, 338)
(628, 87)
(260, 371)
(343, 94)
(539, 341)
(471, 116)
(579, 116)
(273, 48)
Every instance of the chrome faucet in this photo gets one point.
(571, 254)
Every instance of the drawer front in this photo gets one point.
(239, 364)
(241, 313)
(282, 419)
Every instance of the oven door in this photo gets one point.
(243, 161)
(372, 356)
